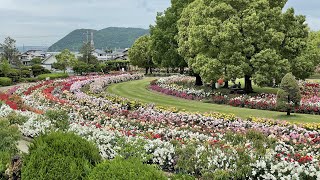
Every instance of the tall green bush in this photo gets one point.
(289, 94)
(60, 155)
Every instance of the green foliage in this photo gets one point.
(36, 61)
(60, 156)
(217, 175)
(86, 50)
(25, 73)
(164, 45)
(64, 60)
(307, 62)
(140, 54)
(125, 169)
(289, 94)
(59, 118)
(5, 81)
(37, 69)
(181, 177)
(28, 79)
(10, 52)
(67, 144)
(14, 74)
(4, 160)
(17, 119)
(252, 38)
(81, 67)
(43, 164)
(5, 67)
(9, 136)
(52, 76)
(110, 38)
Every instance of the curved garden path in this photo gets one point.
(139, 90)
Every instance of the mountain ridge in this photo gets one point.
(111, 37)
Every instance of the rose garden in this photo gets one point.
(233, 93)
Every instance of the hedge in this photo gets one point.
(5, 81)
(52, 76)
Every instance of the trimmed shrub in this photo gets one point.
(14, 74)
(125, 169)
(5, 81)
(289, 94)
(43, 163)
(60, 155)
(68, 144)
(52, 76)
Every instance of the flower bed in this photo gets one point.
(197, 144)
(174, 86)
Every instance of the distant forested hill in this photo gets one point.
(112, 37)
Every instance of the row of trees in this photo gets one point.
(251, 39)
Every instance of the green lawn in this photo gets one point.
(138, 90)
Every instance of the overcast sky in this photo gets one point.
(43, 22)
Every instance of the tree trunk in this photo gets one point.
(288, 110)
(198, 80)
(168, 71)
(181, 70)
(147, 69)
(151, 70)
(226, 84)
(248, 84)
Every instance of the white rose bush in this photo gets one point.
(202, 145)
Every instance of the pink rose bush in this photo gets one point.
(193, 143)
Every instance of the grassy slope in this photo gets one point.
(138, 90)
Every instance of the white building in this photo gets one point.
(31, 54)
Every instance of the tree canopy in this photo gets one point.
(65, 59)
(10, 52)
(163, 43)
(140, 54)
(254, 39)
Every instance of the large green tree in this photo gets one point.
(140, 54)
(253, 39)
(163, 42)
(64, 60)
(10, 52)
(308, 61)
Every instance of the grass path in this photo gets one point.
(138, 90)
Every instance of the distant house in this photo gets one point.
(100, 55)
(117, 54)
(47, 62)
(26, 57)
(51, 58)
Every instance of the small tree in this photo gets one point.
(140, 54)
(289, 93)
(64, 60)
(5, 67)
